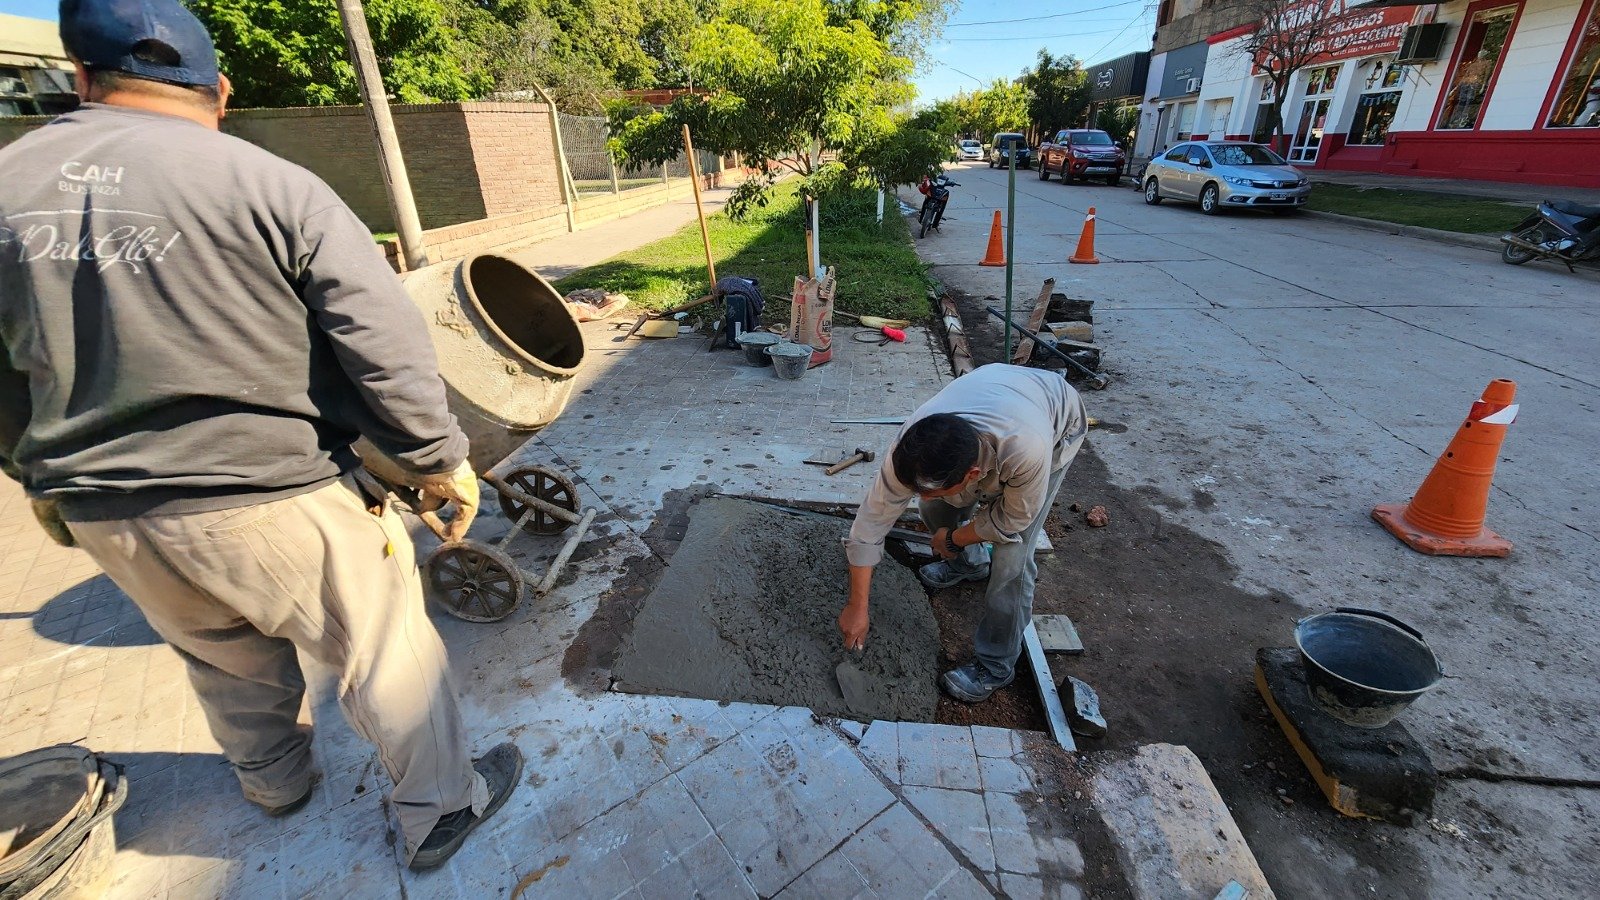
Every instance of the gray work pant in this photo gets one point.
(237, 592)
(1008, 600)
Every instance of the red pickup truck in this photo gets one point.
(1082, 153)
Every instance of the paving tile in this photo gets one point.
(995, 742)
(958, 815)
(1030, 838)
(938, 756)
(705, 870)
(880, 747)
(834, 878)
(1006, 775)
(898, 857)
(1032, 887)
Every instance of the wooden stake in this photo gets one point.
(699, 208)
(1035, 322)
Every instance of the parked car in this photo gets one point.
(1082, 153)
(1004, 144)
(970, 149)
(1226, 174)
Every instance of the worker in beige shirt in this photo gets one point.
(985, 458)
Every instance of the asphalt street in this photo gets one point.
(1278, 377)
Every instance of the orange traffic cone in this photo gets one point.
(1445, 518)
(997, 248)
(1085, 252)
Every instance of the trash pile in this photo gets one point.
(594, 304)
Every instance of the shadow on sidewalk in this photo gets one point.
(94, 613)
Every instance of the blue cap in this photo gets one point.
(154, 39)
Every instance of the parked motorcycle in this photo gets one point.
(935, 197)
(1560, 230)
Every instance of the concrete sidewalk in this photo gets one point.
(560, 256)
(624, 796)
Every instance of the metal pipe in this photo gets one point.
(526, 499)
(1011, 235)
(1100, 381)
(560, 561)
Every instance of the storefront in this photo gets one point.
(1117, 84)
(1511, 93)
(1178, 95)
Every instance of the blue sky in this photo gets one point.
(971, 54)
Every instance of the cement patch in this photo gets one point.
(747, 610)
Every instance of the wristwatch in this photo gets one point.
(950, 544)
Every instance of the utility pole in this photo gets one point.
(397, 184)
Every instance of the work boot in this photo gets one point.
(501, 767)
(945, 573)
(290, 808)
(972, 682)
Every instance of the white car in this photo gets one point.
(970, 149)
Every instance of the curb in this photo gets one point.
(1469, 241)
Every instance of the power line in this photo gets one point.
(1040, 37)
(1136, 20)
(1078, 12)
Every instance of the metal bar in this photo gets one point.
(1099, 380)
(517, 494)
(1011, 234)
(517, 528)
(560, 561)
(1049, 697)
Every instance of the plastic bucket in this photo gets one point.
(789, 360)
(755, 344)
(1365, 667)
(58, 801)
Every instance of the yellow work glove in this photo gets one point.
(49, 515)
(461, 488)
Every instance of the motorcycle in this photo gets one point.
(935, 197)
(1560, 230)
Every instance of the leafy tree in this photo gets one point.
(1119, 122)
(293, 52)
(1290, 35)
(1058, 92)
(1002, 106)
(785, 82)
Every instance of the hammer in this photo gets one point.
(862, 454)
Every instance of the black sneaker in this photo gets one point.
(501, 767)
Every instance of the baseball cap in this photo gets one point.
(154, 39)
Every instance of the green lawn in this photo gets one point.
(877, 269)
(1446, 212)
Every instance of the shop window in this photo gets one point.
(1381, 80)
(1261, 131)
(1186, 113)
(1578, 102)
(1483, 42)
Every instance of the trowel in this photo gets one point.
(858, 687)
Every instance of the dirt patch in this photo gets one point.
(747, 612)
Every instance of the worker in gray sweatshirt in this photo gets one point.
(195, 331)
(984, 458)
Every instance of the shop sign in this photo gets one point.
(1364, 32)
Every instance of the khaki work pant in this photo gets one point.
(237, 592)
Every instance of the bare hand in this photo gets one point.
(941, 546)
(853, 625)
(461, 488)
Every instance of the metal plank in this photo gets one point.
(1048, 696)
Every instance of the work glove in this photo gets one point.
(48, 512)
(459, 487)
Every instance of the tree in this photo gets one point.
(783, 82)
(294, 53)
(1058, 91)
(1290, 35)
(1119, 122)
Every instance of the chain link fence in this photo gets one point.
(583, 139)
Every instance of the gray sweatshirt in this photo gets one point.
(1027, 421)
(191, 323)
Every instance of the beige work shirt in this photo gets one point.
(1027, 419)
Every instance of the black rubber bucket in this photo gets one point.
(1365, 667)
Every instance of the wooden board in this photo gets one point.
(1035, 321)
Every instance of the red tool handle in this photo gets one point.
(894, 334)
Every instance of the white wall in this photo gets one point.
(1145, 142)
(1228, 83)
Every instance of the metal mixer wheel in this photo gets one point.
(546, 484)
(474, 581)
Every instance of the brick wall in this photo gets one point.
(466, 161)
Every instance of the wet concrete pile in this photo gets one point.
(747, 610)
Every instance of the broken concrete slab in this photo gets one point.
(748, 609)
(1173, 835)
(1379, 773)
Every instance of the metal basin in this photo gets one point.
(1365, 667)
